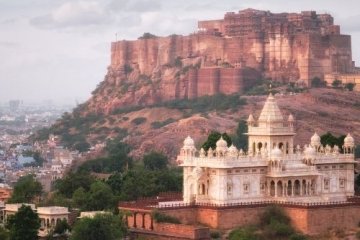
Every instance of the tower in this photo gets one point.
(270, 130)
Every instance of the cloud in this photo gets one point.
(134, 5)
(73, 14)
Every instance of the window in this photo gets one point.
(229, 189)
(253, 170)
(228, 171)
(342, 183)
(326, 184)
(246, 188)
(262, 187)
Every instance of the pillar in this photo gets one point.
(134, 225)
(143, 220)
(276, 183)
(292, 188)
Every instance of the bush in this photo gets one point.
(161, 217)
(246, 233)
(215, 235)
(138, 121)
(298, 236)
(358, 235)
(147, 35)
(350, 86)
(156, 125)
(336, 83)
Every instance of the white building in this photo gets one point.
(272, 169)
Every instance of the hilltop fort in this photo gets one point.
(228, 56)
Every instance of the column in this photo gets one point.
(143, 220)
(276, 183)
(134, 225)
(292, 188)
(301, 189)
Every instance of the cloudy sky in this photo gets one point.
(59, 49)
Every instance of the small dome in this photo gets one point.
(251, 118)
(189, 142)
(221, 143)
(315, 140)
(291, 118)
(232, 149)
(276, 152)
(349, 141)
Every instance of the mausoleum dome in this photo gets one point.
(221, 144)
(315, 140)
(189, 142)
(233, 149)
(349, 141)
(291, 118)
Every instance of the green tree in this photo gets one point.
(329, 139)
(101, 227)
(213, 138)
(24, 225)
(26, 190)
(241, 140)
(349, 86)
(155, 161)
(61, 227)
(4, 234)
(246, 233)
(83, 146)
(100, 197)
(115, 181)
(357, 151)
(67, 186)
(336, 83)
(80, 198)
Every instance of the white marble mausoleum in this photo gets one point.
(272, 168)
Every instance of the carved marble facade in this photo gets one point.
(272, 169)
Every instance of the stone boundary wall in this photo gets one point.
(307, 219)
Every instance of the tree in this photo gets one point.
(329, 139)
(24, 225)
(350, 86)
(241, 140)
(61, 227)
(100, 197)
(25, 190)
(317, 83)
(101, 227)
(115, 182)
(4, 234)
(357, 151)
(72, 182)
(82, 146)
(336, 83)
(80, 198)
(155, 161)
(213, 138)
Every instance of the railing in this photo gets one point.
(355, 200)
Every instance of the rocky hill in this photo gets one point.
(223, 56)
(163, 128)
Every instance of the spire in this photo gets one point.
(271, 111)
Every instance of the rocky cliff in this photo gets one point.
(223, 56)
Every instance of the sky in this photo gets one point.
(59, 50)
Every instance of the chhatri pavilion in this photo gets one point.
(272, 169)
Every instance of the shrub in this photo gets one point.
(157, 124)
(298, 236)
(138, 121)
(128, 69)
(178, 63)
(336, 83)
(358, 235)
(246, 233)
(161, 217)
(350, 86)
(147, 35)
(215, 235)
